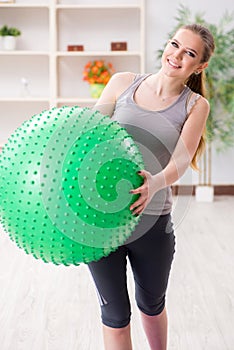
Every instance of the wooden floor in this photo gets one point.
(45, 307)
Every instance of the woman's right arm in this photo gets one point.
(118, 83)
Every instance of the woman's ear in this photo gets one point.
(201, 68)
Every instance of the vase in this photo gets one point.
(9, 43)
(204, 193)
(96, 90)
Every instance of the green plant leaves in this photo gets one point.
(11, 31)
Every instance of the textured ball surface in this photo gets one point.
(65, 177)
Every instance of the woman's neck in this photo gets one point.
(164, 87)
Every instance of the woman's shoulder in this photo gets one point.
(123, 78)
(123, 81)
(120, 82)
(195, 98)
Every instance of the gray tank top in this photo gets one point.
(156, 133)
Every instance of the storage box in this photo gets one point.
(119, 46)
(75, 48)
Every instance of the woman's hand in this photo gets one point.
(146, 191)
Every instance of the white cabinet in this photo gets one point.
(41, 73)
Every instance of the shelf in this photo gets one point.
(74, 28)
(24, 99)
(75, 100)
(19, 5)
(55, 75)
(23, 53)
(81, 102)
(97, 53)
(98, 7)
(34, 24)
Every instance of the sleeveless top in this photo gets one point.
(156, 133)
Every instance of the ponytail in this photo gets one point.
(196, 82)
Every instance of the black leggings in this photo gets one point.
(150, 257)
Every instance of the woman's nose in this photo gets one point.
(178, 53)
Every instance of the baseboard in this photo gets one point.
(219, 190)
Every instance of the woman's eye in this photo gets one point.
(190, 53)
(176, 45)
(173, 43)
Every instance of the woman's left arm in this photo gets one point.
(180, 159)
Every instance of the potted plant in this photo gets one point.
(97, 73)
(220, 87)
(9, 35)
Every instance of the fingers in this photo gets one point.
(138, 206)
(137, 190)
(140, 189)
(139, 210)
(138, 203)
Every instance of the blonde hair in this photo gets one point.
(197, 82)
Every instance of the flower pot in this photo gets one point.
(96, 90)
(204, 193)
(9, 43)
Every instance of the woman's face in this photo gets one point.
(183, 55)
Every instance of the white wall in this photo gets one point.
(160, 19)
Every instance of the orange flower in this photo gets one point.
(97, 72)
(99, 64)
(88, 65)
(94, 69)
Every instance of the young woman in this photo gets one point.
(166, 114)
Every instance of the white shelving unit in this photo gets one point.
(54, 74)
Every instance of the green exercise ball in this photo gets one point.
(65, 177)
